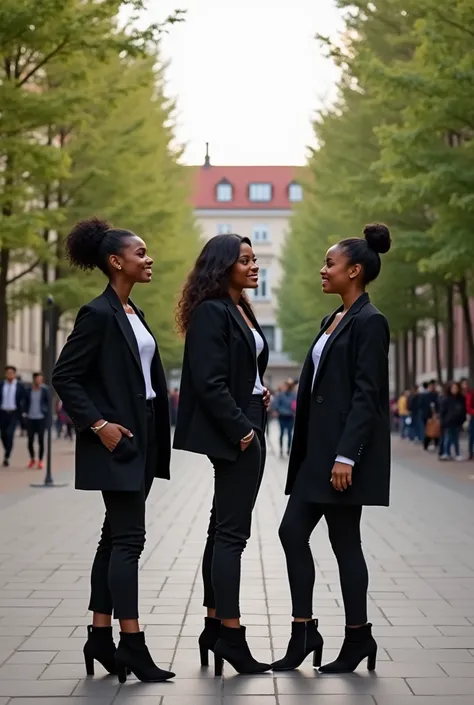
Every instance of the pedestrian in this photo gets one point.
(342, 421)
(285, 406)
(222, 414)
(12, 401)
(429, 410)
(470, 428)
(416, 430)
(452, 416)
(404, 414)
(111, 381)
(37, 401)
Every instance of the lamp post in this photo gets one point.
(48, 478)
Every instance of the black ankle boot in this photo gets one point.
(305, 639)
(358, 645)
(208, 638)
(232, 647)
(99, 647)
(132, 653)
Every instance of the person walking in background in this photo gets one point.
(111, 380)
(37, 401)
(404, 414)
(452, 416)
(416, 432)
(342, 422)
(429, 409)
(470, 428)
(12, 402)
(285, 406)
(222, 414)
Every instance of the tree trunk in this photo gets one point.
(414, 355)
(437, 336)
(4, 261)
(449, 328)
(466, 315)
(397, 364)
(406, 368)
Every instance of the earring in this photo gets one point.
(119, 266)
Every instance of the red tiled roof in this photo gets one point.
(207, 178)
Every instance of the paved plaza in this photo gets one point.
(421, 557)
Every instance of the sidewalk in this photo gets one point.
(421, 559)
(17, 476)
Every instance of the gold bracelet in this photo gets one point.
(248, 436)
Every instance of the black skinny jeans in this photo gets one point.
(298, 523)
(36, 427)
(114, 577)
(236, 485)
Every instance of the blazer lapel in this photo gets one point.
(238, 318)
(355, 308)
(124, 324)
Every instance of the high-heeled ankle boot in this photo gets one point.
(132, 653)
(99, 647)
(305, 639)
(208, 638)
(358, 645)
(232, 647)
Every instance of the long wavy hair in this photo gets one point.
(210, 276)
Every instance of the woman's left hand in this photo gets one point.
(266, 397)
(341, 477)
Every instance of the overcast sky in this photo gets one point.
(247, 76)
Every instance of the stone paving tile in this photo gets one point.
(420, 601)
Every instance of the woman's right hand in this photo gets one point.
(245, 442)
(111, 435)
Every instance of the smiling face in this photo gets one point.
(337, 274)
(244, 273)
(133, 263)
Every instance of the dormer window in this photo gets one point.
(295, 192)
(224, 191)
(260, 192)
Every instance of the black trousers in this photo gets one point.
(114, 577)
(298, 523)
(236, 485)
(8, 424)
(36, 427)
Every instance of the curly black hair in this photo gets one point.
(210, 276)
(91, 242)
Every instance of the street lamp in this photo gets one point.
(48, 478)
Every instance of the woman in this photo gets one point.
(340, 457)
(222, 414)
(111, 381)
(452, 416)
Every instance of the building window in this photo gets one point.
(224, 191)
(224, 228)
(269, 333)
(263, 291)
(295, 192)
(260, 192)
(261, 233)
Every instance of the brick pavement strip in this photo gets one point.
(421, 594)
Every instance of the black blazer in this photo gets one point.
(347, 411)
(99, 375)
(19, 397)
(44, 401)
(219, 369)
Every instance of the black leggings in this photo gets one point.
(114, 577)
(298, 523)
(236, 486)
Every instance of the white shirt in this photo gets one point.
(146, 349)
(316, 356)
(9, 395)
(259, 345)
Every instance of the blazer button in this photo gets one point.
(139, 396)
(319, 400)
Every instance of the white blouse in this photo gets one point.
(259, 345)
(316, 357)
(146, 348)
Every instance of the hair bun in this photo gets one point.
(84, 241)
(378, 238)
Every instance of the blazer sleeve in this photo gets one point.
(208, 350)
(74, 363)
(371, 373)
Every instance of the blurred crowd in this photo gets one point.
(437, 417)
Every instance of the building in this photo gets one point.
(256, 202)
